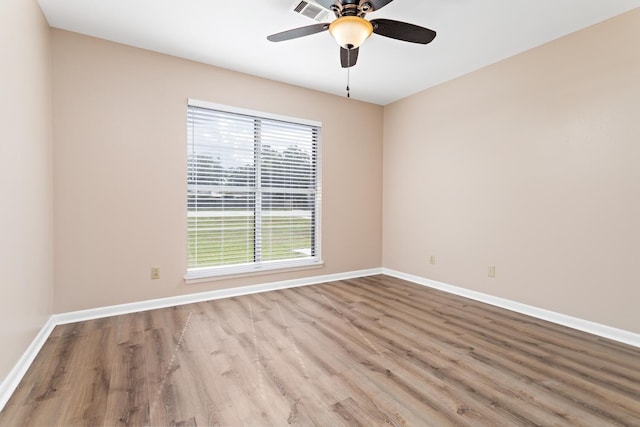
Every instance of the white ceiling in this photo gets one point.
(232, 35)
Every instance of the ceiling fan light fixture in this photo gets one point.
(350, 31)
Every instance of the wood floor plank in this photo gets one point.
(464, 397)
(127, 401)
(479, 339)
(359, 352)
(380, 365)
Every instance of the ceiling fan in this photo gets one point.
(350, 29)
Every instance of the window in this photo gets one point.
(253, 191)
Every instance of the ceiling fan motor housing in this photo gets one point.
(351, 8)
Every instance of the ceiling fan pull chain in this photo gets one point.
(348, 72)
(348, 90)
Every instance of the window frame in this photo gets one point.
(201, 274)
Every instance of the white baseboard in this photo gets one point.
(598, 329)
(115, 310)
(14, 377)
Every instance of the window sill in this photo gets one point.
(212, 274)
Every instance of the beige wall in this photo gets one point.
(120, 170)
(26, 275)
(531, 165)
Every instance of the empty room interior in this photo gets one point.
(200, 227)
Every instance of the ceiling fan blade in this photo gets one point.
(298, 32)
(379, 4)
(402, 31)
(348, 57)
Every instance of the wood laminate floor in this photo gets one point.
(368, 352)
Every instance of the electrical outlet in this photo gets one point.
(432, 259)
(155, 272)
(492, 271)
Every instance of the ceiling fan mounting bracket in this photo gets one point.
(351, 8)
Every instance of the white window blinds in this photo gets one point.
(253, 194)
